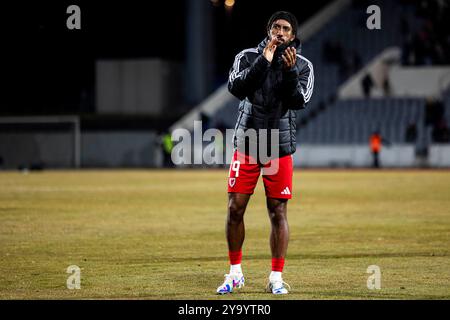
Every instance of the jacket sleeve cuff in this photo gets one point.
(261, 64)
(291, 74)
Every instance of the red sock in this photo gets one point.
(235, 256)
(277, 264)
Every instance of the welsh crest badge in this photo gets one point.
(232, 182)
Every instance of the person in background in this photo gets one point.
(376, 141)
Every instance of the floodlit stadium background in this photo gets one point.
(81, 108)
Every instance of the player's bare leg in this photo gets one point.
(235, 228)
(279, 235)
(279, 238)
(235, 232)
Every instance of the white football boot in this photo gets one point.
(277, 286)
(231, 282)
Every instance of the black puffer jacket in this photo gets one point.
(270, 94)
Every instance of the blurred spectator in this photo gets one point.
(434, 111)
(167, 146)
(435, 117)
(375, 147)
(348, 62)
(430, 44)
(376, 141)
(367, 84)
(411, 133)
(441, 132)
(386, 87)
(383, 76)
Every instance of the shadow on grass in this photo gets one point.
(300, 256)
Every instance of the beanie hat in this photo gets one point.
(289, 17)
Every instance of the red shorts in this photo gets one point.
(277, 176)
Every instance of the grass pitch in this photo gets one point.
(160, 235)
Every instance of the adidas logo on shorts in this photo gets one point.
(286, 191)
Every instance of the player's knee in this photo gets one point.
(235, 212)
(277, 214)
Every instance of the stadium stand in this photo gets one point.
(340, 49)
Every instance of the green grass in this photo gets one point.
(160, 235)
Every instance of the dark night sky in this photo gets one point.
(47, 66)
(245, 27)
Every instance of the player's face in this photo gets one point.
(282, 31)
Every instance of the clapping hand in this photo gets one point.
(270, 48)
(289, 57)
